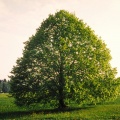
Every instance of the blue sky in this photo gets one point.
(19, 19)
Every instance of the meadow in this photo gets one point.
(9, 111)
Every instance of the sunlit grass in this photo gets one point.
(8, 110)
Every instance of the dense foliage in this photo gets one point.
(64, 61)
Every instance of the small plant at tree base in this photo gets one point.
(64, 61)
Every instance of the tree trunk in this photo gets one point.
(61, 87)
(61, 103)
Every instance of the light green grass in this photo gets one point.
(8, 110)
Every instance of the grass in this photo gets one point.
(9, 111)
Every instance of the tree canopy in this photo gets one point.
(64, 61)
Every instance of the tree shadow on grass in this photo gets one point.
(18, 114)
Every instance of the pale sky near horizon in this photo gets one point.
(19, 20)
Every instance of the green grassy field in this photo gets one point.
(9, 111)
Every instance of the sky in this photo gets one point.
(19, 20)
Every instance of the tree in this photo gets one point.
(64, 61)
(4, 87)
(0, 86)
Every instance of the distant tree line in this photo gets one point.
(4, 86)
